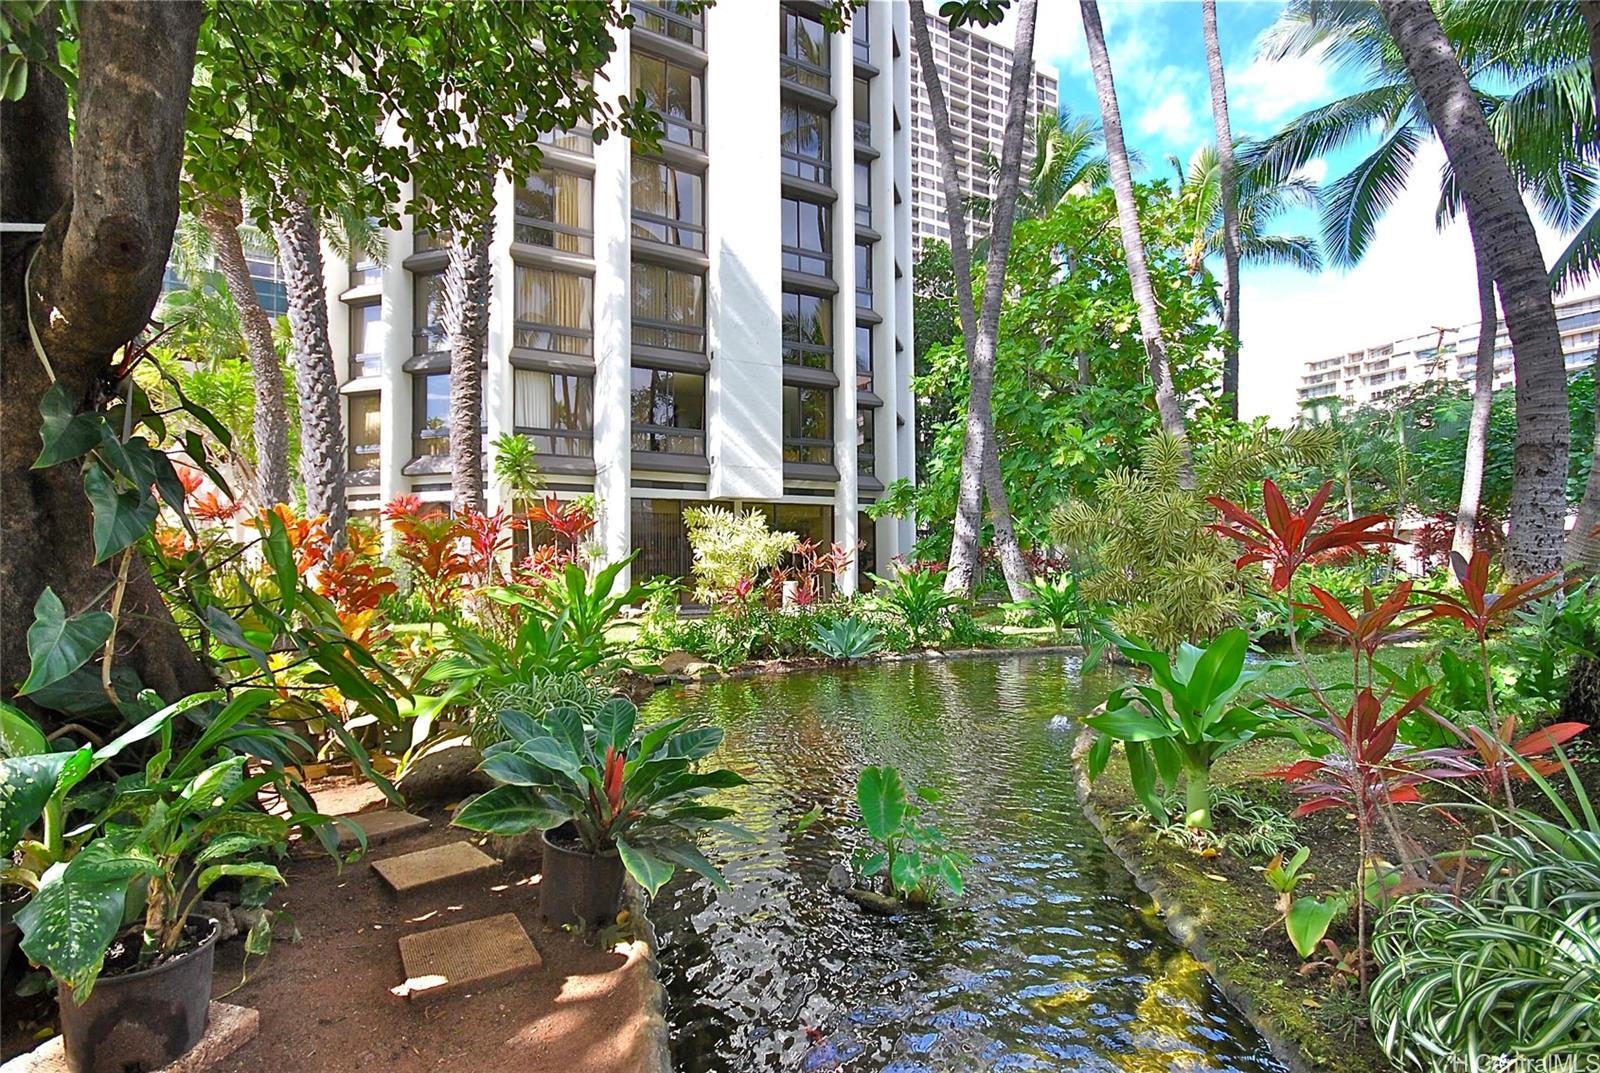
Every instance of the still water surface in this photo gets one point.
(1050, 961)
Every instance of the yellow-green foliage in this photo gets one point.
(729, 547)
(1145, 552)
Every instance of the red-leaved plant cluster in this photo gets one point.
(1369, 770)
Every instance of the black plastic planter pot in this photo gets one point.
(141, 1021)
(577, 887)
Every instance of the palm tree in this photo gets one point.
(1530, 45)
(980, 465)
(1168, 405)
(467, 285)
(1261, 199)
(1227, 176)
(1502, 229)
(218, 236)
(1066, 158)
(322, 441)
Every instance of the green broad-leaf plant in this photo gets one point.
(1182, 720)
(165, 833)
(910, 858)
(638, 791)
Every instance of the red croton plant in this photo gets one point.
(1368, 769)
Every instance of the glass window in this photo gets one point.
(669, 308)
(556, 411)
(860, 38)
(804, 46)
(863, 275)
(863, 111)
(428, 335)
(579, 139)
(866, 439)
(425, 241)
(555, 209)
(806, 143)
(668, 204)
(867, 556)
(863, 357)
(670, 19)
(554, 311)
(364, 268)
(430, 415)
(362, 434)
(669, 412)
(366, 333)
(807, 330)
(659, 538)
(863, 186)
(675, 93)
(807, 237)
(807, 425)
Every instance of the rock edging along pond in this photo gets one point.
(1186, 927)
(654, 996)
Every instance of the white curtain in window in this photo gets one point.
(531, 399)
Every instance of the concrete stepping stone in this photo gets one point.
(422, 869)
(228, 1028)
(380, 827)
(473, 956)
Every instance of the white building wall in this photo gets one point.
(613, 333)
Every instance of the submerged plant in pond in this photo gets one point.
(910, 859)
(634, 790)
(1182, 721)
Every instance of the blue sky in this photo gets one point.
(1414, 276)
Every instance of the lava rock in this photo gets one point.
(446, 776)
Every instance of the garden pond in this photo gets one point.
(1051, 960)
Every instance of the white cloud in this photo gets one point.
(1315, 169)
(1170, 118)
(1268, 90)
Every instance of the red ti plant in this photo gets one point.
(568, 521)
(1368, 773)
(488, 537)
(1285, 541)
(430, 542)
(1479, 610)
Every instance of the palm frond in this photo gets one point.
(1327, 128)
(1579, 264)
(1294, 251)
(1352, 206)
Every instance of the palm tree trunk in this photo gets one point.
(467, 285)
(1228, 181)
(1502, 230)
(1168, 405)
(979, 460)
(322, 443)
(222, 218)
(1478, 425)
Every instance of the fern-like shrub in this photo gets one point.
(1144, 551)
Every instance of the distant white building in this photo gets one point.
(976, 74)
(1363, 376)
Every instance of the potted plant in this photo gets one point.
(135, 973)
(608, 797)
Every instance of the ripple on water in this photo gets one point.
(1046, 963)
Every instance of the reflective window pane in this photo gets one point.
(554, 311)
(669, 308)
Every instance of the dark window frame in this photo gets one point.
(562, 331)
(671, 17)
(671, 225)
(545, 439)
(649, 437)
(695, 129)
(801, 258)
(793, 66)
(422, 437)
(811, 450)
(815, 169)
(358, 324)
(354, 449)
(669, 327)
(528, 222)
(807, 350)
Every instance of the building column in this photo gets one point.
(498, 397)
(846, 502)
(613, 332)
(884, 292)
(903, 352)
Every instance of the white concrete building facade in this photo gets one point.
(726, 319)
(975, 71)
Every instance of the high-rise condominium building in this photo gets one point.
(1373, 373)
(976, 74)
(725, 320)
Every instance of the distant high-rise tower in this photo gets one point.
(976, 74)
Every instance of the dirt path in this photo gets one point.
(326, 1006)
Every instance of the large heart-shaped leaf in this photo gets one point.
(694, 744)
(882, 797)
(614, 722)
(514, 769)
(19, 735)
(120, 517)
(66, 434)
(247, 870)
(59, 645)
(76, 912)
(1308, 921)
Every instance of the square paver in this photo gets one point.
(423, 869)
(380, 827)
(473, 956)
(228, 1027)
